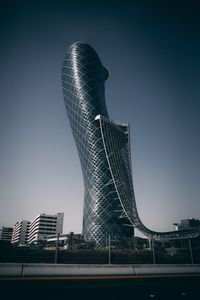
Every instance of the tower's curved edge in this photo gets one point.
(120, 151)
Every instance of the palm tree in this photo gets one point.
(71, 240)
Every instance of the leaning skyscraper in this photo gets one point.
(104, 151)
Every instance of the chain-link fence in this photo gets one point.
(138, 252)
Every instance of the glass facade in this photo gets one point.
(103, 148)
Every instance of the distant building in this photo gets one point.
(43, 226)
(187, 224)
(6, 233)
(52, 239)
(26, 232)
(20, 232)
(70, 241)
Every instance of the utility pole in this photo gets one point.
(56, 253)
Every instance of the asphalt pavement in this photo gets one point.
(102, 287)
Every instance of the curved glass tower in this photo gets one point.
(104, 151)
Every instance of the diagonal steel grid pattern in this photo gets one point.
(104, 152)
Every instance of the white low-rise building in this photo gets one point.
(20, 232)
(43, 226)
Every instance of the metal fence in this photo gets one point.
(110, 255)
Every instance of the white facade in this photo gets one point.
(43, 226)
(6, 233)
(20, 232)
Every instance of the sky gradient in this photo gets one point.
(152, 52)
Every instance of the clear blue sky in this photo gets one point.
(152, 52)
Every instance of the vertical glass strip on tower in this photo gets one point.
(104, 151)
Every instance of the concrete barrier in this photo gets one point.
(166, 269)
(11, 269)
(76, 269)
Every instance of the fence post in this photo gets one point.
(191, 255)
(56, 253)
(109, 249)
(22, 270)
(153, 250)
(149, 239)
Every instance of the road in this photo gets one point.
(102, 287)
